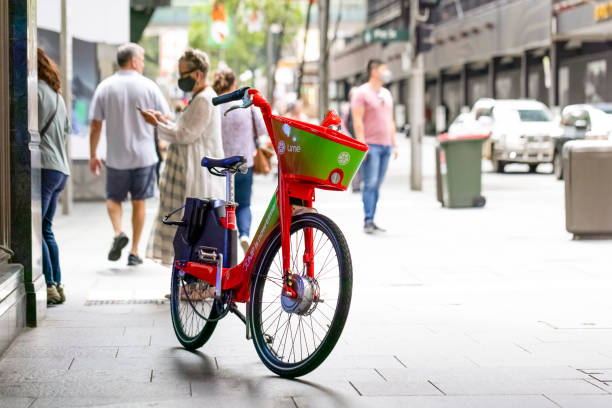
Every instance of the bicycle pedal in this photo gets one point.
(208, 254)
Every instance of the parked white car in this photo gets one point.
(466, 124)
(521, 131)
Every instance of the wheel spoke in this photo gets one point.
(188, 307)
(291, 338)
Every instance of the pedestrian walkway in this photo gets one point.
(493, 307)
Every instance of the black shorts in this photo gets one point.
(140, 183)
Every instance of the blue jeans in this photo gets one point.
(374, 168)
(243, 187)
(52, 184)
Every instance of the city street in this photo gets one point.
(489, 308)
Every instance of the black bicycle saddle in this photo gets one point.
(233, 164)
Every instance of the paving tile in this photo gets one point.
(92, 389)
(10, 363)
(46, 334)
(127, 352)
(162, 402)
(31, 374)
(179, 362)
(129, 375)
(331, 376)
(575, 355)
(15, 402)
(584, 324)
(85, 340)
(482, 385)
(336, 360)
(498, 401)
(582, 401)
(24, 350)
(268, 386)
(502, 373)
(97, 323)
(600, 374)
(395, 388)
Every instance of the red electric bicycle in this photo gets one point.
(296, 278)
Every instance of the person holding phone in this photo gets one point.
(131, 159)
(197, 133)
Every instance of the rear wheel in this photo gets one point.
(191, 304)
(293, 337)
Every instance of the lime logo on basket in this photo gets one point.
(344, 158)
(281, 147)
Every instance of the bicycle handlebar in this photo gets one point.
(237, 95)
(249, 97)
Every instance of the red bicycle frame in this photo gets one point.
(280, 212)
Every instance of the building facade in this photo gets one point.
(22, 286)
(553, 51)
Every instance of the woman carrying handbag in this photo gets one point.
(54, 128)
(195, 134)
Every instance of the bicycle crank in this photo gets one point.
(307, 296)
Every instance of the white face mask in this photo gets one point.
(385, 76)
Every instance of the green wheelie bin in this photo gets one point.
(459, 170)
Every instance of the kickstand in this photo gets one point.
(234, 309)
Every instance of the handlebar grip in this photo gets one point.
(232, 96)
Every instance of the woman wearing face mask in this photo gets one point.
(197, 133)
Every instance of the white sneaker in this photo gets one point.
(244, 243)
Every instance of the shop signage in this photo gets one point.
(384, 35)
(603, 11)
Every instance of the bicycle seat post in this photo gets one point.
(229, 186)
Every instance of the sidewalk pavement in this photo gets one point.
(493, 307)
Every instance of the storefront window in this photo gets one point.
(595, 81)
(564, 78)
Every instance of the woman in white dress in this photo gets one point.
(197, 133)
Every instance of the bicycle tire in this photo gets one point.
(180, 308)
(265, 350)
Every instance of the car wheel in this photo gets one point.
(498, 165)
(533, 167)
(558, 166)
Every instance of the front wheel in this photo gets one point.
(293, 337)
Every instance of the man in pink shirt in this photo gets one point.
(372, 110)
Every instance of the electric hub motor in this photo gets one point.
(307, 290)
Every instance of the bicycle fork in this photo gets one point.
(286, 215)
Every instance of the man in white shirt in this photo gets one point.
(130, 158)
